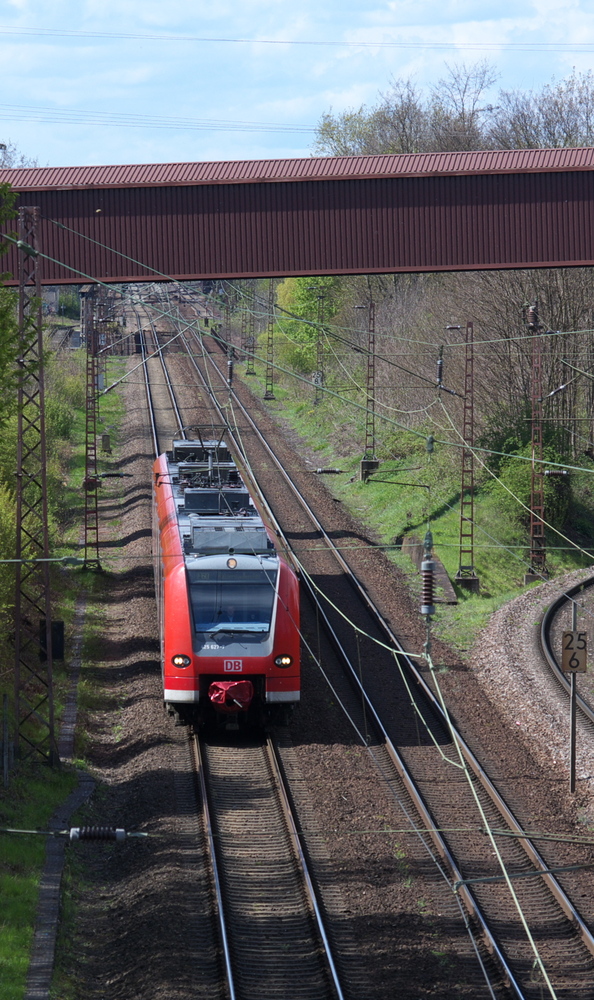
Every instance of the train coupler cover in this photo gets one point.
(231, 696)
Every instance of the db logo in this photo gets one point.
(233, 666)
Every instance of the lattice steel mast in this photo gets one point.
(369, 462)
(91, 481)
(370, 387)
(466, 575)
(34, 701)
(537, 529)
(269, 393)
(251, 336)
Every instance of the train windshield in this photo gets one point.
(238, 601)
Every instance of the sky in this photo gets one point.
(124, 81)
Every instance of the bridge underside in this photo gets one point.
(343, 225)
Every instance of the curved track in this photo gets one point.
(548, 623)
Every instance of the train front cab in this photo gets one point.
(201, 563)
(246, 641)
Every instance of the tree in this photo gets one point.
(457, 115)
(561, 114)
(11, 157)
(299, 299)
(454, 115)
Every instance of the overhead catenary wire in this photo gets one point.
(507, 878)
(363, 738)
(506, 874)
(351, 403)
(523, 337)
(329, 328)
(412, 430)
(462, 763)
(383, 43)
(521, 503)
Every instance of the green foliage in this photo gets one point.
(8, 445)
(515, 479)
(349, 133)
(400, 444)
(507, 430)
(65, 393)
(59, 419)
(69, 305)
(7, 209)
(458, 114)
(301, 296)
(311, 299)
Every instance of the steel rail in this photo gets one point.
(529, 848)
(280, 790)
(545, 642)
(207, 821)
(479, 772)
(147, 388)
(297, 840)
(439, 843)
(167, 378)
(194, 745)
(292, 826)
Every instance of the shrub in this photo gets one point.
(515, 482)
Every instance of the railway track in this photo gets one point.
(556, 618)
(507, 884)
(270, 924)
(274, 940)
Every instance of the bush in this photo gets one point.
(515, 479)
(59, 420)
(69, 305)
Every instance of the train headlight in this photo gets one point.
(231, 563)
(181, 660)
(283, 661)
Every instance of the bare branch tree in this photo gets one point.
(457, 108)
(11, 157)
(561, 114)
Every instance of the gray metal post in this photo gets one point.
(572, 709)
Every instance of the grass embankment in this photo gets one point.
(414, 491)
(33, 796)
(35, 790)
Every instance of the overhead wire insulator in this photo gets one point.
(427, 570)
(440, 368)
(427, 605)
(97, 833)
(532, 316)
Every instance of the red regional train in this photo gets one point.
(228, 600)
